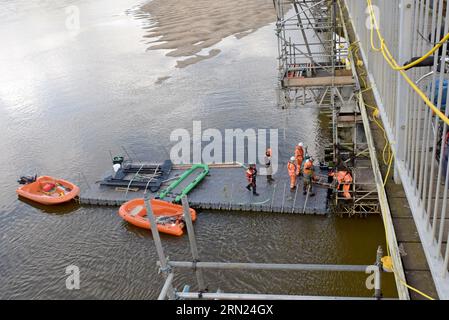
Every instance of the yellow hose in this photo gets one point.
(416, 290)
(394, 65)
(384, 47)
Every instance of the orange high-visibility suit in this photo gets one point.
(308, 166)
(299, 156)
(343, 178)
(249, 175)
(292, 173)
(347, 180)
(308, 176)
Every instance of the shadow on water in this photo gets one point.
(60, 209)
(147, 234)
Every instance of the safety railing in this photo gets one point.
(412, 106)
(167, 268)
(317, 46)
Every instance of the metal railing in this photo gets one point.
(417, 136)
(308, 37)
(167, 268)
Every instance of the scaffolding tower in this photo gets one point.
(316, 70)
(313, 52)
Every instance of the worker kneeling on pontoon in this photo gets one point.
(344, 181)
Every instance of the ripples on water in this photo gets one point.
(69, 100)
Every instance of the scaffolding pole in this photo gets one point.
(309, 47)
(163, 262)
(270, 266)
(193, 246)
(167, 286)
(246, 296)
(167, 267)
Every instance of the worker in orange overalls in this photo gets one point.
(347, 180)
(308, 176)
(344, 180)
(291, 167)
(299, 155)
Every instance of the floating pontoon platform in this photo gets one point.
(224, 189)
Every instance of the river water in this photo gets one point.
(69, 97)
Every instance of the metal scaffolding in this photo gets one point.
(313, 52)
(167, 269)
(316, 69)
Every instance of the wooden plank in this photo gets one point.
(318, 81)
(343, 72)
(123, 189)
(349, 118)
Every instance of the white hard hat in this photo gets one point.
(292, 159)
(300, 144)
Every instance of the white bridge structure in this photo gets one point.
(412, 105)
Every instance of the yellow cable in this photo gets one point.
(416, 290)
(367, 89)
(354, 48)
(387, 144)
(391, 157)
(373, 21)
(389, 169)
(394, 65)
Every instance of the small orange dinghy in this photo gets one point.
(48, 190)
(169, 216)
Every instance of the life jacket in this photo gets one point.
(291, 169)
(48, 187)
(340, 176)
(299, 152)
(250, 175)
(347, 178)
(343, 177)
(308, 165)
(308, 168)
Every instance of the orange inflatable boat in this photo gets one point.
(169, 216)
(48, 190)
